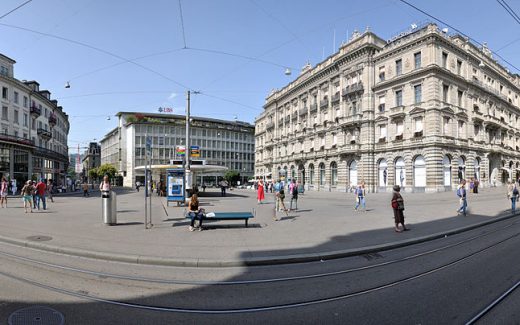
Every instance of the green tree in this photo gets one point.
(93, 174)
(232, 177)
(71, 173)
(107, 169)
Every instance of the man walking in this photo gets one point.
(41, 188)
(293, 189)
(512, 194)
(461, 193)
(360, 196)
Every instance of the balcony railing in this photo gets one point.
(49, 153)
(357, 87)
(12, 138)
(303, 110)
(44, 133)
(324, 103)
(269, 125)
(52, 120)
(35, 111)
(314, 107)
(335, 98)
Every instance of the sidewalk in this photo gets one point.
(325, 226)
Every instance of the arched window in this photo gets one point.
(419, 172)
(352, 173)
(383, 172)
(400, 172)
(322, 174)
(311, 174)
(446, 168)
(333, 173)
(293, 173)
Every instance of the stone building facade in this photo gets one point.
(423, 110)
(33, 130)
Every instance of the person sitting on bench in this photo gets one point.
(195, 213)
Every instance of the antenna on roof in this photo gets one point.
(445, 30)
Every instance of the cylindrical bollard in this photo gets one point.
(108, 208)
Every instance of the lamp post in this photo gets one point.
(187, 177)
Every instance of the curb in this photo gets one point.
(254, 261)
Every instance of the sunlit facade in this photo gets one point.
(422, 110)
(33, 130)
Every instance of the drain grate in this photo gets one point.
(37, 315)
(39, 238)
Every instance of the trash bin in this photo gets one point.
(109, 207)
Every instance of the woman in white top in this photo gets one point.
(105, 184)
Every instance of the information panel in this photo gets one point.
(175, 185)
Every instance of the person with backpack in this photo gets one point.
(360, 196)
(512, 194)
(293, 188)
(397, 204)
(461, 193)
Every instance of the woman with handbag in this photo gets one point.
(398, 207)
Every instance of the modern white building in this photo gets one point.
(223, 143)
(424, 110)
(33, 130)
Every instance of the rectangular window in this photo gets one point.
(398, 67)
(459, 98)
(446, 126)
(444, 60)
(5, 93)
(382, 73)
(5, 113)
(25, 119)
(476, 130)
(382, 131)
(445, 90)
(399, 98)
(418, 124)
(418, 93)
(15, 97)
(399, 128)
(459, 67)
(25, 101)
(381, 106)
(461, 129)
(16, 120)
(417, 59)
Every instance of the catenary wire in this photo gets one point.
(509, 10)
(13, 10)
(458, 31)
(182, 25)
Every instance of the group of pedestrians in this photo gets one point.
(34, 194)
(279, 193)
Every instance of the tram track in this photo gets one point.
(270, 307)
(256, 281)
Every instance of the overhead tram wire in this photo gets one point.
(182, 25)
(458, 31)
(98, 50)
(509, 10)
(13, 10)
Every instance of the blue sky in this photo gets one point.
(278, 33)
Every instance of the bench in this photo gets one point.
(229, 216)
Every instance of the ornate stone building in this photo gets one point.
(423, 110)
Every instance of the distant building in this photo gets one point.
(225, 143)
(33, 130)
(91, 159)
(423, 110)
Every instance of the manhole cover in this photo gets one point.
(39, 238)
(36, 315)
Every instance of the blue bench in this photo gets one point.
(229, 216)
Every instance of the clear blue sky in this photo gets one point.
(285, 33)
